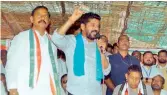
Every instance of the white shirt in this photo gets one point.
(160, 67)
(86, 84)
(150, 73)
(163, 92)
(18, 65)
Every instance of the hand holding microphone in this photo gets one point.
(101, 43)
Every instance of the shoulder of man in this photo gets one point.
(149, 90)
(112, 56)
(22, 34)
(135, 61)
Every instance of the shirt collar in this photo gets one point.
(140, 87)
(36, 31)
(125, 56)
(161, 66)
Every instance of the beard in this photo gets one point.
(148, 64)
(91, 35)
(162, 61)
(156, 87)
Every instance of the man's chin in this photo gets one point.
(162, 62)
(91, 38)
(134, 87)
(148, 64)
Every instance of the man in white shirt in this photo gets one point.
(84, 78)
(157, 85)
(148, 69)
(162, 65)
(31, 67)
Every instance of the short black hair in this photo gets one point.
(135, 52)
(2, 74)
(165, 51)
(122, 36)
(39, 7)
(115, 45)
(147, 52)
(134, 68)
(109, 46)
(63, 76)
(87, 16)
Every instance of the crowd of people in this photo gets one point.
(74, 61)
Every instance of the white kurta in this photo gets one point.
(18, 65)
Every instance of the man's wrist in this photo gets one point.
(70, 20)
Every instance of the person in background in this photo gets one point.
(148, 69)
(62, 67)
(155, 58)
(137, 54)
(133, 84)
(157, 85)
(119, 64)
(115, 48)
(64, 82)
(162, 65)
(109, 49)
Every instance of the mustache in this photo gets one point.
(155, 86)
(147, 64)
(162, 60)
(42, 21)
(94, 31)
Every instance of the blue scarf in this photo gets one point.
(79, 59)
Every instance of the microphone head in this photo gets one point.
(97, 36)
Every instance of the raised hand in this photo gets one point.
(78, 12)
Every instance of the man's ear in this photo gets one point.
(126, 76)
(82, 27)
(31, 19)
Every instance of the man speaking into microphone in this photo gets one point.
(85, 62)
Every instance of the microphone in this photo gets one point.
(98, 36)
